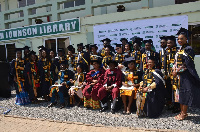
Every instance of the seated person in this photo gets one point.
(130, 79)
(112, 83)
(150, 97)
(94, 81)
(75, 92)
(64, 76)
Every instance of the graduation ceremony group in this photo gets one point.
(129, 77)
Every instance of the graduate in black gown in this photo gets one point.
(150, 97)
(44, 66)
(188, 79)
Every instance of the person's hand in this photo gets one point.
(95, 81)
(30, 82)
(71, 80)
(174, 73)
(145, 89)
(92, 84)
(134, 85)
(80, 84)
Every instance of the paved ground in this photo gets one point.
(20, 124)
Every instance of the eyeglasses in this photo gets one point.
(117, 48)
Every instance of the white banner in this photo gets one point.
(146, 29)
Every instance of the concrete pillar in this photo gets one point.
(6, 5)
(145, 4)
(26, 12)
(89, 10)
(90, 37)
(2, 20)
(54, 8)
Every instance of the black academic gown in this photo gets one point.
(189, 92)
(155, 99)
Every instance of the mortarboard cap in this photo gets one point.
(94, 45)
(70, 48)
(31, 53)
(26, 47)
(44, 48)
(138, 41)
(80, 44)
(118, 45)
(133, 38)
(163, 37)
(123, 39)
(173, 38)
(184, 31)
(87, 46)
(106, 39)
(40, 47)
(148, 41)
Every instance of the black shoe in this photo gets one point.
(103, 109)
(112, 111)
(62, 106)
(52, 104)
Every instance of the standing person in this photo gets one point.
(147, 54)
(137, 54)
(150, 98)
(127, 50)
(112, 83)
(108, 57)
(138, 40)
(162, 53)
(70, 58)
(60, 57)
(130, 79)
(82, 57)
(119, 56)
(94, 80)
(44, 66)
(64, 76)
(87, 48)
(171, 82)
(94, 55)
(124, 42)
(40, 51)
(18, 72)
(26, 83)
(188, 90)
(53, 69)
(26, 53)
(106, 42)
(33, 75)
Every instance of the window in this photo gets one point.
(74, 3)
(55, 43)
(184, 1)
(23, 3)
(7, 52)
(79, 2)
(0, 7)
(194, 40)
